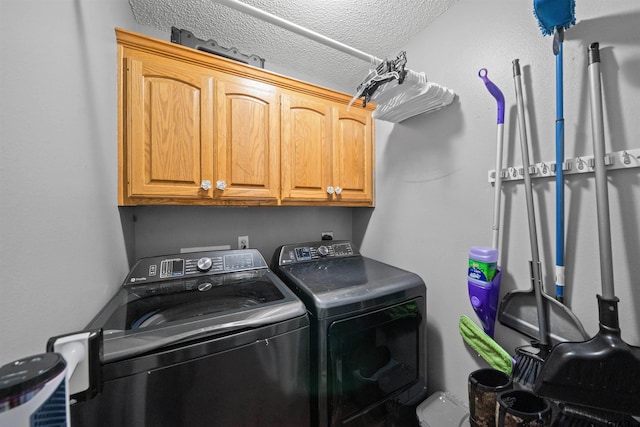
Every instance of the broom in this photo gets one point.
(603, 372)
(554, 16)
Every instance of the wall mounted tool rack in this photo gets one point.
(624, 159)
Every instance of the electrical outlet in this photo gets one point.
(243, 242)
(326, 235)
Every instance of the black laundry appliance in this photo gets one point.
(209, 338)
(368, 333)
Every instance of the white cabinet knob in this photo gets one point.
(330, 190)
(221, 185)
(338, 190)
(205, 184)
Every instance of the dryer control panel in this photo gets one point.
(168, 267)
(312, 251)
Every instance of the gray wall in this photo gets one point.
(65, 246)
(167, 229)
(62, 244)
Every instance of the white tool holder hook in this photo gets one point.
(624, 159)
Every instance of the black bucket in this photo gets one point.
(484, 387)
(520, 408)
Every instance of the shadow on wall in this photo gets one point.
(361, 218)
(624, 25)
(435, 360)
(127, 220)
(600, 30)
(421, 148)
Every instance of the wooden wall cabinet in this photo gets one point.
(195, 128)
(326, 153)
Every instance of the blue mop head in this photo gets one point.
(552, 14)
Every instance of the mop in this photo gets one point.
(554, 16)
(484, 294)
(486, 347)
(483, 287)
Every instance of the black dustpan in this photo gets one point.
(603, 372)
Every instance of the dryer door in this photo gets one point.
(376, 365)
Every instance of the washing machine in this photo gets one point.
(368, 333)
(211, 338)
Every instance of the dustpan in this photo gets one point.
(604, 371)
(533, 312)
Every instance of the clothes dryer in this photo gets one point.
(368, 333)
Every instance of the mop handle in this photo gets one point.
(535, 257)
(560, 277)
(497, 94)
(600, 171)
(497, 188)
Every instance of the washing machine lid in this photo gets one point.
(236, 292)
(338, 279)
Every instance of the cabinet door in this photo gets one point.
(247, 152)
(306, 149)
(169, 132)
(352, 155)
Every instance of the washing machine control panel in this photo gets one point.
(311, 251)
(169, 267)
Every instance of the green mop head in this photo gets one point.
(486, 347)
(552, 14)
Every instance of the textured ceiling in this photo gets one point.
(376, 27)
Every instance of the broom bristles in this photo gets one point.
(528, 366)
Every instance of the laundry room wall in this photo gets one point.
(168, 229)
(434, 200)
(65, 246)
(62, 239)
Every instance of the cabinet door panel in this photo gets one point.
(306, 149)
(247, 141)
(170, 135)
(353, 157)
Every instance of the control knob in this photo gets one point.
(204, 264)
(323, 250)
